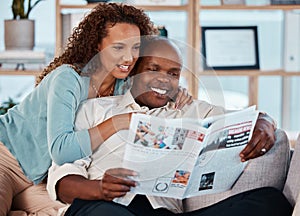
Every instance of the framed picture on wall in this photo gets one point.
(229, 48)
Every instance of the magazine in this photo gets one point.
(181, 158)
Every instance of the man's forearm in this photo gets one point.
(75, 186)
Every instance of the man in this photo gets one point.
(96, 182)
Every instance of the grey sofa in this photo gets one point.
(268, 170)
(292, 186)
(272, 169)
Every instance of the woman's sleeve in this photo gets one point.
(64, 97)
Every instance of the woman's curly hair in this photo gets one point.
(82, 44)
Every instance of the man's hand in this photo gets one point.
(183, 98)
(262, 140)
(115, 183)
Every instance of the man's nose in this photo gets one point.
(163, 77)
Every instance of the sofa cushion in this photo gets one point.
(292, 185)
(268, 170)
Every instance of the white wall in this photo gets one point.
(44, 16)
(270, 50)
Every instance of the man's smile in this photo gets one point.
(159, 91)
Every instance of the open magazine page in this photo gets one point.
(180, 158)
(219, 165)
(164, 153)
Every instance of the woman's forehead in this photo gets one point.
(123, 31)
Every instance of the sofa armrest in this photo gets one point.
(268, 170)
(296, 211)
(292, 186)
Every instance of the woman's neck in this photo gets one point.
(103, 86)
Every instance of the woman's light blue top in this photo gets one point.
(41, 128)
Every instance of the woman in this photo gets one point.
(40, 128)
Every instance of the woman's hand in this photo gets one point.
(262, 140)
(115, 183)
(121, 121)
(183, 98)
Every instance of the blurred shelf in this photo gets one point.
(144, 7)
(250, 73)
(251, 7)
(28, 72)
(193, 8)
(60, 7)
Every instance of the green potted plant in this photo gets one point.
(20, 25)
